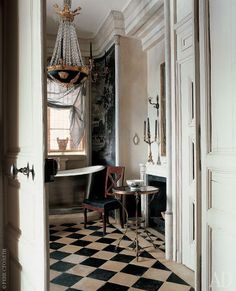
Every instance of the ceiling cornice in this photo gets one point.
(113, 25)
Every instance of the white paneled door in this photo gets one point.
(25, 211)
(218, 121)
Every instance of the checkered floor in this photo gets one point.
(84, 259)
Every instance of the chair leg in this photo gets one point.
(85, 217)
(107, 218)
(104, 222)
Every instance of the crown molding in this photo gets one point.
(145, 20)
(113, 25)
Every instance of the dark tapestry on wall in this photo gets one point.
(103, 109)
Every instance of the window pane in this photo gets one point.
(59, 131)
(59, 118)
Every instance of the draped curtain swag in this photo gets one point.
(60, 98)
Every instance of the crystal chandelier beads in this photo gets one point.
(66, 65)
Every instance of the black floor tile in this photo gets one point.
(81, 243)
(145, 254)
(71, 229)
(54, 237)
(105, 240)
(56, 246)
(117, 231)
(76, 235)
(148, 284)
(97, 233)
(52, 231)
(114, 287)
(176, 279)
(66, 279)
(57, 255)
(90, 222)
(101, 274)
(113, 249)
(62, 266)
(52, 225)
(68, 224)
(94, 227)
(134, 270)
(126, 238)
(133, 245)
(159, 265)
(86, 252)
(93, 262)
(122, 258)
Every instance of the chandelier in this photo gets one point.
(66, 65)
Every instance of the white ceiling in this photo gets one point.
(91, 17)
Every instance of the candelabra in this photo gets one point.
(147, 139)
(157, 127)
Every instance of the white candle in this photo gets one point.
(144, 130)
(155, 130)
(148, 128)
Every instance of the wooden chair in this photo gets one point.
(114, 176)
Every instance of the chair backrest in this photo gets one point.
(114, 178)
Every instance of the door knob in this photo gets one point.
(25, 171)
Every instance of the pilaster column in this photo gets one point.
(168, 213)
(117, 97)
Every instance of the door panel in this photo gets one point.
(25, 203)
(218, 105)
(187, 161)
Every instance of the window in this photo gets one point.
(59, 139)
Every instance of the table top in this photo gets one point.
(144, 190)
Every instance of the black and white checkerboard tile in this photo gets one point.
(84, 259)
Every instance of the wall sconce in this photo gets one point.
(157, 125)
(155, 105)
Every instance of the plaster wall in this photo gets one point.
(133, 104)
(155, 57)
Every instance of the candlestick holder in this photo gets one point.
(149, 142)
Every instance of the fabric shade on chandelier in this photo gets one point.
(66, 65)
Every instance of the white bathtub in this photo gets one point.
(65, 194)
(79, 171)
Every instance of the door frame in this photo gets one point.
(3, 121)
(176, 136)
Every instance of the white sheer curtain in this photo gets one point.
(74, 99)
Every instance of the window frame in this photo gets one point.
(67, 152)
